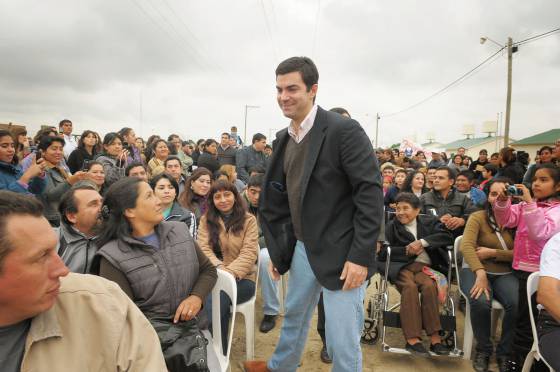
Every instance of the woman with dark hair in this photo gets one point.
(209, 158)
(84, 153)
(195, 196)
(129, 143)
(149, 151)
(198, 150)
(509, 166)
(97, 175)
(415, 183)
(166, 189)
(22, 142)
(113, 158)
(156, 164)
(415, 255)
(457, 163)
(59, 180)
(487, 248)
(228, 235)
(545, 156)
(12, 176)
(156, 263)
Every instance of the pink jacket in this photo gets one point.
(536, 222)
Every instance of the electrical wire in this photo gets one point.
(315, 28)
(269, 31)
(537, 37)
(455, 82)
(162, 29)
(199, 47)
(192, 50)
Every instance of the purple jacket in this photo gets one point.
(536, 222)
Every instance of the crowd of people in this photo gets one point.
(160, 217)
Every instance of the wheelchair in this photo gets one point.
(380, 315)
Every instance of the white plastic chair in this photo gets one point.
(532, 286)
(226, 282)
(248, 310)
(497, 308)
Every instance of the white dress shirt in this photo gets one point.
(304, 127)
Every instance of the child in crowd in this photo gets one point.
(387, 182)
(489, 170)
(537, 220)
(400, 176)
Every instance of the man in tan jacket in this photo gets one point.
(52, 321)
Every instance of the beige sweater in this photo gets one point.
(240, 251)
(478, 233)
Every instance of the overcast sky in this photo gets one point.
(190, 67)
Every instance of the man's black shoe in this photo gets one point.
(481, 361)
(268, 323)
(502, 363)
(439, 349)
(325, 358)
(510, 365)
(417, 349)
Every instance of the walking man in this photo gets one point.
(321, 210)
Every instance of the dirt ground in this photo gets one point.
(373, 358)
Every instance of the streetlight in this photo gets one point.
(510, 49)
(245, 129)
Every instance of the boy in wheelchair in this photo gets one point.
(415, 263)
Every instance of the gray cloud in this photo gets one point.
(190, 67)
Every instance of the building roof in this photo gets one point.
(544, 138)
(468, 143)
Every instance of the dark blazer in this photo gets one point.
(341, 203)
(428, 228)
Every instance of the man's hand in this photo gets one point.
(414, 248)
(353, 275)
(188, 308)
(454, 223)
(445, 218)
(274, 274)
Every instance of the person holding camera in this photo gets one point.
(537, 220)
(114, 158)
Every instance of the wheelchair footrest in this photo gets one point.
(393, 319)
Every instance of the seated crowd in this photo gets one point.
(160, 217)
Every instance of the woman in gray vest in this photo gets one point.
(157, 263)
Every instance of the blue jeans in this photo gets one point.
(344, 313)
(269, 287)
(245, 290)
(504, 289)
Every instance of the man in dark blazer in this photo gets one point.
(321, 209)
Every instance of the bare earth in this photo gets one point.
(373, 358)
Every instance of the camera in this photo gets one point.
(513, 191)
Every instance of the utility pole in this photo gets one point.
(245, 128)
(376, 129)
(508, 99)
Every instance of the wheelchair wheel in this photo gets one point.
(370, 333)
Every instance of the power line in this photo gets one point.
(269, 31)
(448, 86)
(315, 28)
(190, 47)
(536, 37)
(201, 53)
(162, 29)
